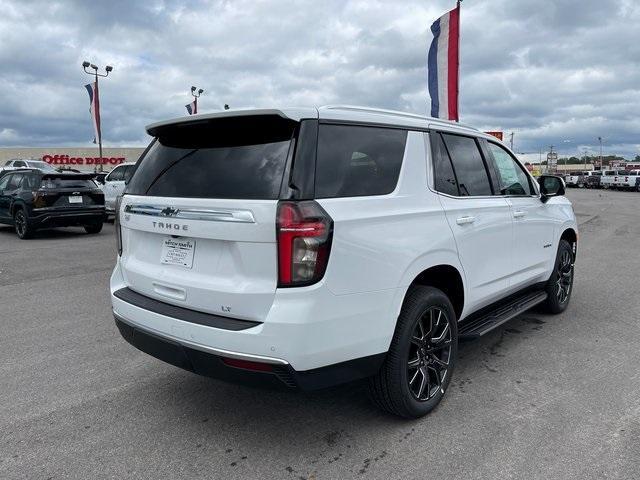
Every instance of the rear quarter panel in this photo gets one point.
(381, 243)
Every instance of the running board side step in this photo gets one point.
(487, 320)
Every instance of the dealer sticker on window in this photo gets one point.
(178, 251)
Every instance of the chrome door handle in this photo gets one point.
(519, 214)
(465, 220)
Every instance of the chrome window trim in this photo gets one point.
(210, 215)
(431, 176)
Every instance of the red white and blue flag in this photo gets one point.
(192, 108)
(94, 109)
(443, 65)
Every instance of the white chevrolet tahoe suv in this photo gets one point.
(311, 247)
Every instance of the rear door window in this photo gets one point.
(14, 181)
(444, 178)
(468, 165)
(234, 158)
(358, 161)
(511, 177)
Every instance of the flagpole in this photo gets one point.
(95, 73)
(100, 167)
(458, 62)
(195, 96)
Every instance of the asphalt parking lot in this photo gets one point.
(543, 397)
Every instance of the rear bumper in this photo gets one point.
(66, 217)
(308, 330)
(273, 372)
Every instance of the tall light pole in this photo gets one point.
(585, 151)
(566, 159)
(95, 73)
(600, 140)
(196, 96)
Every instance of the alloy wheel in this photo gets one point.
(564, 277)
(21, 223)
(429, 354)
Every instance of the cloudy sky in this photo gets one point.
(557, 72)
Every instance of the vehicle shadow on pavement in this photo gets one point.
(328, 422)
(46, 234)
(236, 425)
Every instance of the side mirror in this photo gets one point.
(551, 186)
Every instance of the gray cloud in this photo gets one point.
(549, 70)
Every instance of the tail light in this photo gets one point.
(38, 199)
(117, 225)
(304, 233)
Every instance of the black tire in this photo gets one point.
(21, 224)
(93, 228)
(560, 285)
(391, 388)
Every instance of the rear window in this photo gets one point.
(235, 158)
(356, 161)
(57, 182)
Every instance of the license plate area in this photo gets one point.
(75, 199)
(178, 251)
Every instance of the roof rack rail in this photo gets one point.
(396, 113)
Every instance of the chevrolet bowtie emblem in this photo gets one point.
(169, 212)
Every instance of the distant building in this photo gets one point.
(78, 158)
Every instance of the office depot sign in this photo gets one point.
(69, 160)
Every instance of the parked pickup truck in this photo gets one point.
(574, 179)
(608, 178)
(628, 180)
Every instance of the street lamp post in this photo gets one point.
(600, 140)
(95, 73)
(585, 151)
(566, 159)
(196, 96)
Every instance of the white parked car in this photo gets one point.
(115, 183)
(310, 247)
(17, 164)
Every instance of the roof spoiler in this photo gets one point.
(291, 114)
